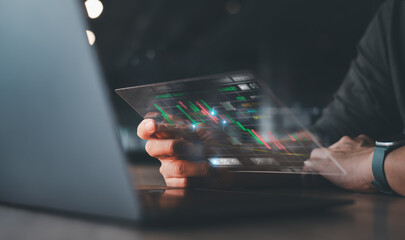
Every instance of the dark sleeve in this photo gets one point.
(365, 102)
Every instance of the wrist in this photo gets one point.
(394, 168)
(368, 175)
(369, 169)
(363, 174)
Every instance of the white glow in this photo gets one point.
(94, 8)
(265, 161)
(244, 87)
(224, 161)
(91, 37)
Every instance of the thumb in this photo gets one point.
(310, 166)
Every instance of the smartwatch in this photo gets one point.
(381, 150)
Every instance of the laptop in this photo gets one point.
(59, 148)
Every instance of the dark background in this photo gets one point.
(301, 48)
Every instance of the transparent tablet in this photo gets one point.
(245, 119)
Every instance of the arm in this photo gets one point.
(395, 170)
(366, 102)
(355, 155)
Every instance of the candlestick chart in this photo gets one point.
(255, 136)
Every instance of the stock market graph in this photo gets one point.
(255, 136)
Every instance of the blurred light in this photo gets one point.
(91, 37)
(232, 6)
(94, 8)
(224, 161)
(265, 161)
(214, 161)
(213, 113)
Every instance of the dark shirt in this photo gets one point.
(371, 99)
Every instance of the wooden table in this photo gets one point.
(373, 216)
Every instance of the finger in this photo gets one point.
(319, 153)
(159, 118)
(168, 147)
(183, 168)
(315, 165)
(176, 182)
(164, 129)
(185, 131)
(310, 166)
(152, 115)
(147, 129)
(175, 193)
(323, 166)
(345, 141)
(184, 182)
(168, 131)
(178, 130)
(365, 140)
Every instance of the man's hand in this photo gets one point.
(173, 152)
(354, 155)
(182, 152)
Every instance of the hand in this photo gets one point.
(354, 155)
(181, 152)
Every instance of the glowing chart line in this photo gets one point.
(182, 104)
(198, 116)
(305, 135)
(193, 107)
(295, 136)
(225, 118)
(261, 139)
(230, 118)
(291, 137)
(255, 137)
(209, 108)
(272, 139)
(164, 114)
(277, 142)
(191, 119)
(207, 113)
(241, 126)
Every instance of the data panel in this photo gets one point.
(234, 117)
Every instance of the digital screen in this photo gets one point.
(251, 129)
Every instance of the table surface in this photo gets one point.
(372, 216)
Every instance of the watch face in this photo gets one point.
(391, 141)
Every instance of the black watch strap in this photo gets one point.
(380, 181)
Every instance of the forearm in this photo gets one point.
(395, 170)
